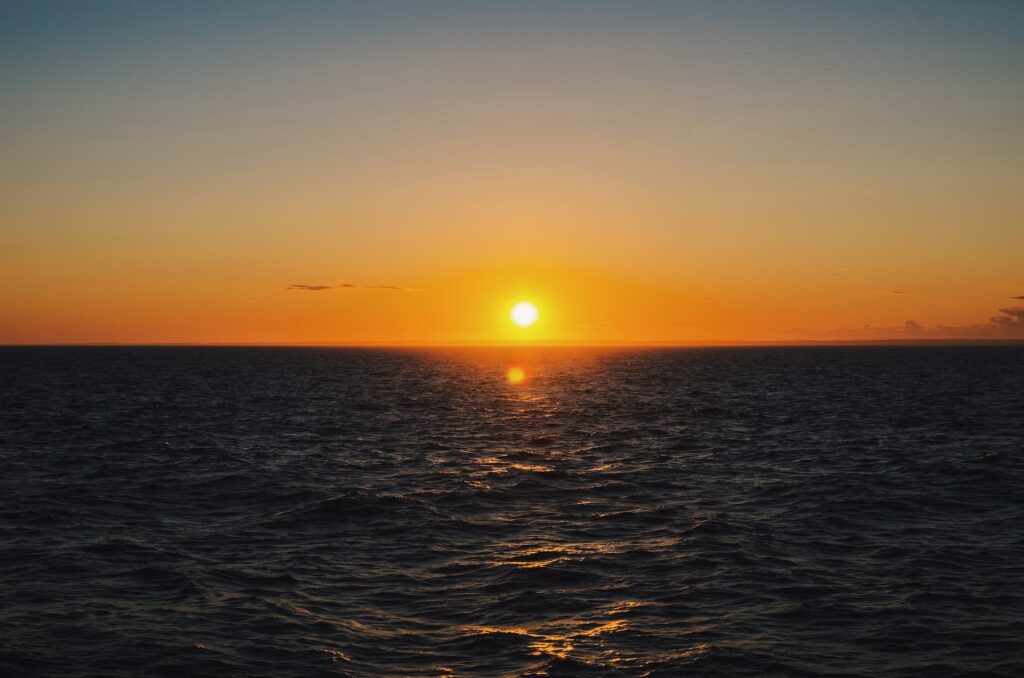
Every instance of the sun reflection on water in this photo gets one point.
(560, 643)
(530, 454)
(515, 375)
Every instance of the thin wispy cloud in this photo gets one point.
(1020, 298)
(309, 288)
(349, 286)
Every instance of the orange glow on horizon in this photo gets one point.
(461, 306)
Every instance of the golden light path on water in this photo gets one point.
(537, 380)
(584, 637)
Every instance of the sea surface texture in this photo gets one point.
(698, 512)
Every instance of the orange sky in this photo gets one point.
(680, 175)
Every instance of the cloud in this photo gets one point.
(309, 288)
(1012, 316)
(1020, 298)
(899, 292)
(348, 285)
(1008, 325)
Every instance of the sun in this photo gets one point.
(524, 314)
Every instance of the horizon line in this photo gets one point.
(525, 344)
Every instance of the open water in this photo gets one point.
(696, 512)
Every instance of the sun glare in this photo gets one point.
(524, 314)
(515, 375)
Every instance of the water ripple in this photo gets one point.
(720, 512)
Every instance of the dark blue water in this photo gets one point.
(726, 512)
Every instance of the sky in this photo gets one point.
(404, 172)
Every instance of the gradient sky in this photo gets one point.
(643, 171)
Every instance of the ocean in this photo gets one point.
(812, 511)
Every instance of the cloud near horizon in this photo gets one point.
(1009, 325)
(348, 285)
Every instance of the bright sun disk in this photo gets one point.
(524, 314)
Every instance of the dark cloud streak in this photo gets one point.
(309, 288)
(348, 286)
